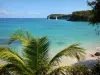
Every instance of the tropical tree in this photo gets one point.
(95, 4)
(35, 59)
(95, 70)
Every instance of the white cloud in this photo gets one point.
(4, 12)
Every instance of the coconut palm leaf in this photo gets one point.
(12, 60)
(73, 51)
(36, 53)
(20, 35)
(11, 68)
(3, 70)
(70, 70)
(57, 71)
(9, 56)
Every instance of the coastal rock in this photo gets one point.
(97, 54)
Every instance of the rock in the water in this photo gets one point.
(97, 54)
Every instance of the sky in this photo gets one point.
(39, 8)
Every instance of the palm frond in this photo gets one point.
(36, 53)
(73, 51)
(70, 70)
(13, 60)
(3, 70)
(11, 68)
(9, 56)
(57, 71)
(20, 35)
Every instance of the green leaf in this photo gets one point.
(12, 59)
(72, 51)
(36, 53)
(20, 35)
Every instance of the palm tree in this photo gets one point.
(35, 58)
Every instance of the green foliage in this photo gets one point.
(96, 11)
(36, 53)
(59, 16)
(96, 69)
(81, 16)
(73, 51)
(13, 61)
(75, 16)
(70, 70)
(35, 57)
(7, 55)
(20, 35)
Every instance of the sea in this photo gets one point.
(61, 33)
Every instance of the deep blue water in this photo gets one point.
(61, 33)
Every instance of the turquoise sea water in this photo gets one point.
(61, 33)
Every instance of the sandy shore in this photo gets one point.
(70, 61)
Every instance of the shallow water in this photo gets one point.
(61, 33)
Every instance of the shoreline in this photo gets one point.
(65, 61)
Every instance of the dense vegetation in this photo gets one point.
(81, 16)
(96, 11)
(59, 16)
(75, 16)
